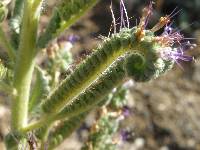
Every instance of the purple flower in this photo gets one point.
(126, 111)
(167, 30)
(174, 45)
(126, 135)
(172, 36)
(175, 54)
(73, 38)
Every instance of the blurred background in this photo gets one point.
(165, 113)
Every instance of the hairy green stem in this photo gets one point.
(38, 124)
(24, 66)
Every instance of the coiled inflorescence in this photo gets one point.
(112, 48)
(156, 54)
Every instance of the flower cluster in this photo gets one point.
(173, 43)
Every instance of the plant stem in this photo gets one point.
(24, 66)
(38, 124)
(6, 45)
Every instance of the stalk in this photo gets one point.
(24, 65)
